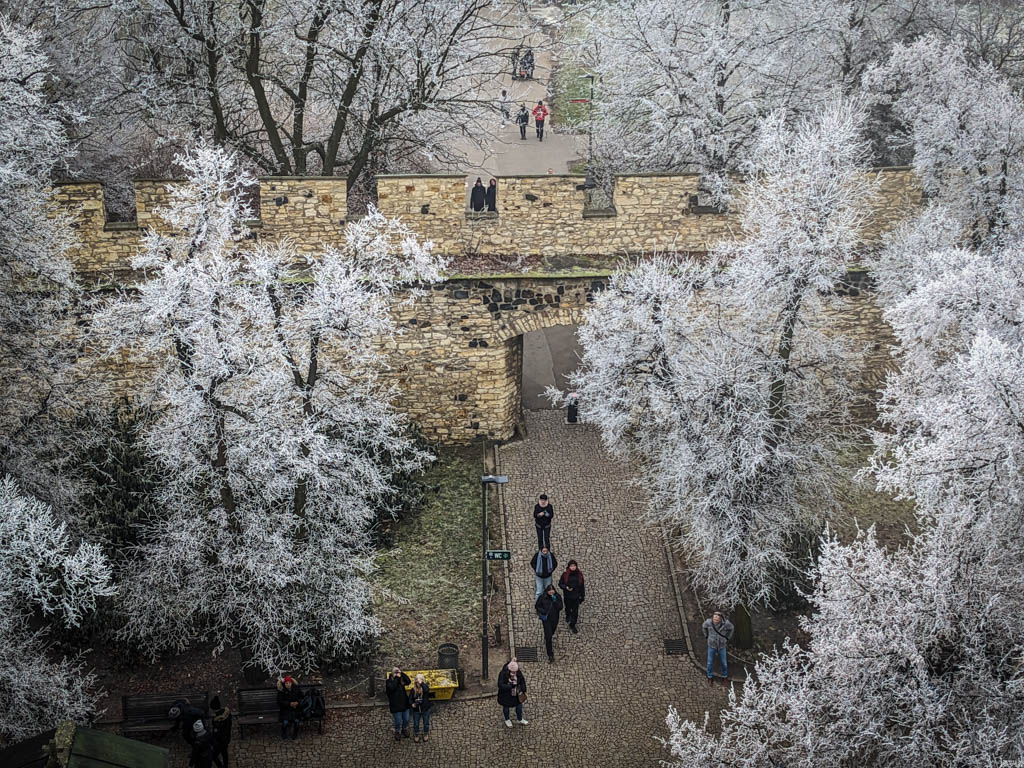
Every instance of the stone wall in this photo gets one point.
(538, 215)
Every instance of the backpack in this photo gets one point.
(313, 706)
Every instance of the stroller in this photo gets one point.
(522, 64)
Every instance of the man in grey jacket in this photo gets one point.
(718, 632)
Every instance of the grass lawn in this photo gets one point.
(427, 586)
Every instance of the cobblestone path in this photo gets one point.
(602, 704)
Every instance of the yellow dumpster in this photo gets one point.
(442, 682)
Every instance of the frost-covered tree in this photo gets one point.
(910, 661)
(37, 289)
(45, 576)
(719, 377)
(270, 419)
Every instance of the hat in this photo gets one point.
(215, 702)
(513, 666)
(198, 726)
(174, 713)
(288, 679)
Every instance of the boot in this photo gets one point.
(405, 733)
(398, 736)
(426, 737)
(415, 738)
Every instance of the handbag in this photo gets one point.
(522, 697)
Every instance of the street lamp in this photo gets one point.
(484, 482)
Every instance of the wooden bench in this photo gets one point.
(258, 706)
(148, 713)
(442, 682)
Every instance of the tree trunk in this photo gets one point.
(743, 634)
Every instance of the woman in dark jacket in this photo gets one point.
(419, 703)
(511, 683)
(398, 701)
(478, 197)
(221, 731)
(573, 593)
(491, 195)
(548, 606)
(289, 696)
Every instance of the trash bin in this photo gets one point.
(573, 412)
(448, 656)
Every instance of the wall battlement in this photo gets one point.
(537, 215)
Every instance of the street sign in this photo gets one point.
(499, 554)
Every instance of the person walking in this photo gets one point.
(203, 754)
(543, 512)
(512, 692)
(477, 197)
(540, 114)
(491, 195)
(717, 632)
(573, 593)
(419, 703)
(220, 727)
(398, 702)
(522, 120)
(543, 564)
(549, 606)
(289, 696)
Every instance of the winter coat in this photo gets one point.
(491, 198)
(189, 714)
(542, 516)
(573, 588)
(202, 752)
(540, 113)
(717, 636)
(285, 697)
(420, 702)
(221, 727)
(522, 117)
(478, 197)
(548, 607)
(508, 694)
(545, 572)
(398, 698)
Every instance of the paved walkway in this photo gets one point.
(603, 702)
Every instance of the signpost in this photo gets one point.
(499, 554)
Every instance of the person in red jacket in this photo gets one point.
(540, 114)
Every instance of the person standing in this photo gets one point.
(512, 692)
(203, 753)
(398, 702)
(419, 703)
(221, 731)
(491, 195)
(717, 632)
(543, 564)
(503, 106)
(289, 696)
(573, 593)
(543, 512)
(522, 120)
(183, 715)
(549, 606)
(540, 114)
(477, 197)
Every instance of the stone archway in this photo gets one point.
(549, 355)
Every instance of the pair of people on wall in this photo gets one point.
(484, 197)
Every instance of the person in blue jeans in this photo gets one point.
(398, 701)
(419, 702)
(543, 565)
(718, 632)
(512, 684)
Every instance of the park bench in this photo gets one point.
(442, 682)
(258, 706)
(148, 713)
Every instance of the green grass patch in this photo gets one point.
(427, 586)
(568, 85)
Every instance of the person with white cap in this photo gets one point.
(203, 752)
(512, 691)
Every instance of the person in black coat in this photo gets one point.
(398, 701)
(511, 683)
(573, 593)
(420, 703)
(204, 754)
(221, 729)
(522, 120)
(543, 512)
(549, 606)
(491, 195)
(289, 697)
(478, 196)
(183, 716)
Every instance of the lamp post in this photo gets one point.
(484, 482)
